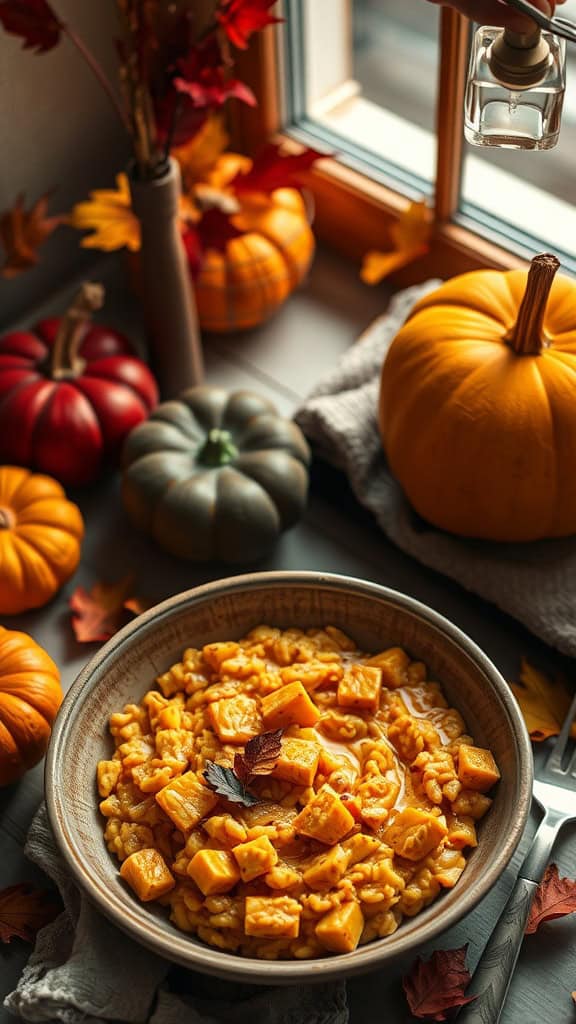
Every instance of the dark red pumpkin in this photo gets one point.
(70, 392)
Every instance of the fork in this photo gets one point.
(557, 24)
(555, 792)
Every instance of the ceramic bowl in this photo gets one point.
(375, 617)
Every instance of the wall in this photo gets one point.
(57, 131)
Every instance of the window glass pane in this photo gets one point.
(369, 77)
(532, 192)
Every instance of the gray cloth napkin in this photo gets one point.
(83, 970)
(536, 583)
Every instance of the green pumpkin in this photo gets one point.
(215, 475)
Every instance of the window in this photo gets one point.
(365, 78)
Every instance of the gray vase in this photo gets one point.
(165, 286)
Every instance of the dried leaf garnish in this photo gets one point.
(24, 910)
(226, 783)
(260, 756)
(544, 702)
(410, 237)
(436, 986)
(22, 232)
(555, 897)
(99, 613)
(33, 21)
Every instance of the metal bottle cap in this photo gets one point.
(519, 59)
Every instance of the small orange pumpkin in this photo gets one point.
(40, 536)
(242, 286)
(478, 404)
(30, 695)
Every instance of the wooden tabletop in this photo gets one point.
(282, 361)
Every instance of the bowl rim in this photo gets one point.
(178, 948)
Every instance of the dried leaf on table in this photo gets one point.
(241, 18)
(410, 237)
(555, 897)
(24, 910)
(271, 170)
(99, 613)
(33, 21)
(260, 756)
(225, 782)
(544, 702)
(22, 232)
(436, 986)
(108, 214)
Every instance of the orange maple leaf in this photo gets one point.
(99, 613)
(410, 237)
(544, 702)
(436, 986)
(555, 897)
(24, 910)
(22, 232)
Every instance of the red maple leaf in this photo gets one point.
(203, 78)
(271, 170)
(24, 910)
(436, 986)
(555, 897)
(241, 18)
(34, 21)
(99, 613)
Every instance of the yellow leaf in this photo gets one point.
(544, 702)
(410, 236)
(198, 156)
(108, 214)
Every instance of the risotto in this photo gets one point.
(360, 815)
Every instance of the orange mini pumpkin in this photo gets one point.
(478, 404)
(30, 695)
(242, 286)
(40, 536)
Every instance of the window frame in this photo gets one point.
(344, 195)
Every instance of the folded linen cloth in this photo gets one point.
(83, 969)
(535, 583)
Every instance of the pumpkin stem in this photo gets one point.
(65, 362)
(6, 519)
(527, 336)
(218, 449)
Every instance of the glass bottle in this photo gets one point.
(515, 89)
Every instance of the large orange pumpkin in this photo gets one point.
(30, 696)
(243, 285)
(40, 536)
(478, 404)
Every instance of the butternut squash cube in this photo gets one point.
(477, 768)
(290, 705)
(214, 871)
(340, 929)
(360, 846)
(414, 833)
(272, 917)
(186, 800)
(394, 664)
(147, 873)
(325, 818)
(298, 761)
(255, 857)
(360, 687)
(235, 719)
(327, 869)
